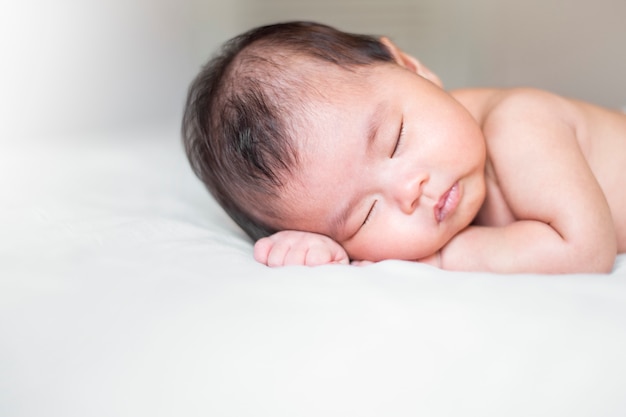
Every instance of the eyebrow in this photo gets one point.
(339, 219)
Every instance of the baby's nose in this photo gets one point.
(408, 190)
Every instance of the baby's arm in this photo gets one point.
(529, 246)
(291, 247)
(542, 170)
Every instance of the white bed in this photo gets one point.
(125, 291)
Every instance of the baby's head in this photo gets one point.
(247, 106)
(300, 126)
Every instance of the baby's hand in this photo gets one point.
(290, 247)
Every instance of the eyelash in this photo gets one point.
(400, 136)
(369, 214)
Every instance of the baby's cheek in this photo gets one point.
(356, 251)
(371, 251)
(400, 246)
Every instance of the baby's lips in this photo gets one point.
(447, 203)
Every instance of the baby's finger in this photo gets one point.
(262, 249)
(340, 256)
(295, 256)
(277, 254)
(318, 255)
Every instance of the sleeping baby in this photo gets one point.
(330, 147)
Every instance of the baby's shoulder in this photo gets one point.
(510, 118)
(501, 108)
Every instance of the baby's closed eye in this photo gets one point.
(399, 140)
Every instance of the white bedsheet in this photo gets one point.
(125, 291)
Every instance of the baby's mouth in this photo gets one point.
(447, 203)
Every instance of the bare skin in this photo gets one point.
(477, 180)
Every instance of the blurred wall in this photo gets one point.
(69, 66)
(572, 47)
(72, 65)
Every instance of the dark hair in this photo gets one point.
(241, 107)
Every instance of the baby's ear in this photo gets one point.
(409, 62)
